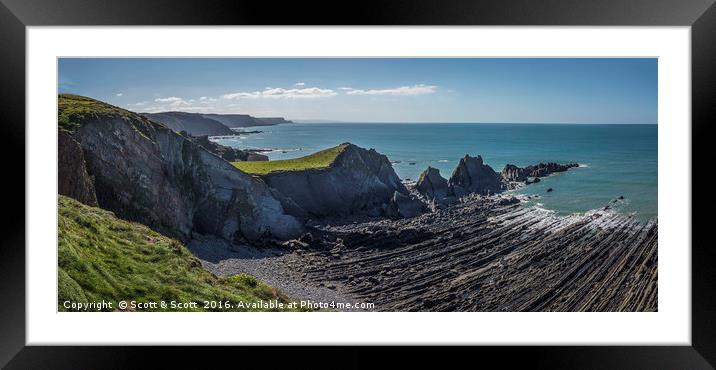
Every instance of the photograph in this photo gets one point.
(316, 184)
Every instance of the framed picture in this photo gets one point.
(514, 177)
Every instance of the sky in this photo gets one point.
(517, 90)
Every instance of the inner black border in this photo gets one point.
(15, 15)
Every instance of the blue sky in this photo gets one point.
(377, 90)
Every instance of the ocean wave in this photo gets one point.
(583, 165)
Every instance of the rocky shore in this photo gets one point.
(343, 226)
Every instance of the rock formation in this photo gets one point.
(359, 181)
(405, 206)
(73, 179)
(473, 176)
(148, 173)
(193, 123)
(512, 173)
(432, 185)
(228, 153)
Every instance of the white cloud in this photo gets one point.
(173, 101)
(419, 89)
(120, 94)
(280, 93)
(169, 99)
(139, 103)
(300, 84)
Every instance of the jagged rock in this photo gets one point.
(508, 201)
(405, 206)
(227, 153)
(472, 176)
(513, 173)
(432, 185)
(148, 173)
(358, 182)
(72, 177)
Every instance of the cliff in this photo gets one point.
(341, 181)
(192, 123)
(245, 120)
(148, 173)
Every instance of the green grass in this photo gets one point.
(318, 160)
(101, 257)
(72, 110)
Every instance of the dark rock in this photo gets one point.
(621, 197)
(512, 173)
(148, 173)
(508, 201)
(536, 180)
(193, 123)
(405, 206)
(72, 177)
(358, 182)
(472, 176)
(227, 153)
(432, 185)
(549, 190)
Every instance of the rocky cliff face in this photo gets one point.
(194, 124)
(73, 179)
(473, 176)
(359, 181)
(148, 173)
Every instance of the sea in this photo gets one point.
(615, 160)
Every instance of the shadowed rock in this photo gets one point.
(513, 173)
(473, 176)
(405, 206)
(357, 182)
(432, 185)
(148, 173)
(73, 179)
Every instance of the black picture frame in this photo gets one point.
(16, 15)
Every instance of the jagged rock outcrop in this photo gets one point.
(358, 182)
(73, 179)
(432, 185)
(513, 173)
(148, 173)
(405, 206)
(473, 176)
(228, 153)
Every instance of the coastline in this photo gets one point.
(515, 258)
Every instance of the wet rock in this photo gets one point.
(549, 190)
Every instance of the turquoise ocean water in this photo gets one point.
(616, 160)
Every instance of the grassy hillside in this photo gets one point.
(72, 109)
(316, 160)
(101, 257)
